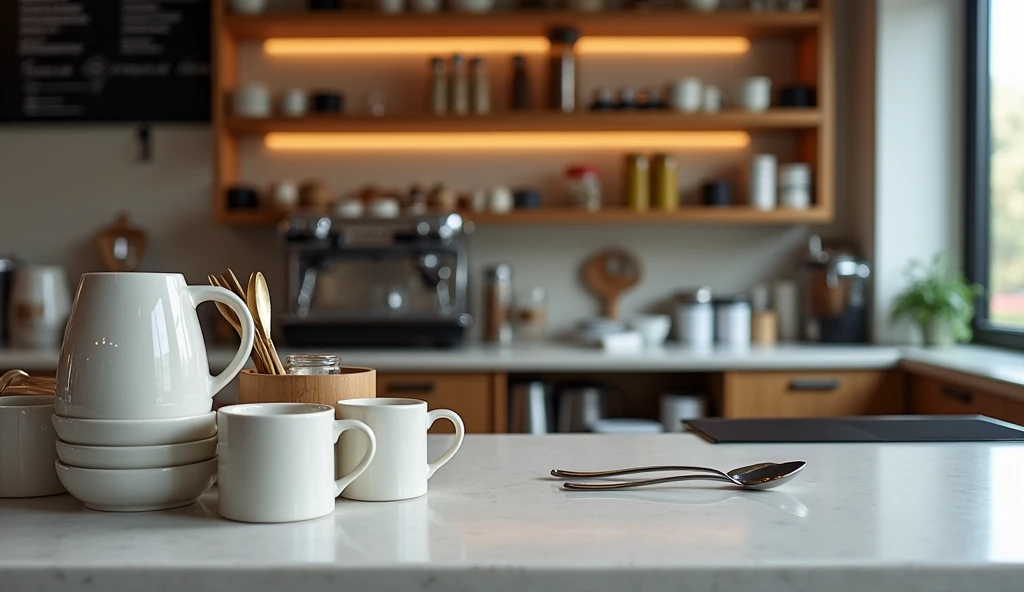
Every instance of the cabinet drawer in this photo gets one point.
(812, 394)
(934, 397)
(469, 395)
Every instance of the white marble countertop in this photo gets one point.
(861, 517)
(563, 358)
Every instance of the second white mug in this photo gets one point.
(400, 469)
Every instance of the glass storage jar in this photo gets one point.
(312, 364)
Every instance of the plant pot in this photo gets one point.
(937, 333)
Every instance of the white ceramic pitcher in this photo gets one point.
(133, 348)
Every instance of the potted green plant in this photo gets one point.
(939, 300)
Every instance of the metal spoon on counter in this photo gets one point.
(759, 476)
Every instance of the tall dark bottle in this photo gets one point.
(520, 85)
(563, 72)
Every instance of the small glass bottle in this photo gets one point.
(438, 87)
(459, 97)
(584, 187)
(312, 364)
(481, 86)
(498, 300)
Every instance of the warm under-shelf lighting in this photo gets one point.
(403, 45)
(663, 45)
(454, 141)
(445, 45)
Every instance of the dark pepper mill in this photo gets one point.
(520, 85)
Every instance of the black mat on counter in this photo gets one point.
(882, 428)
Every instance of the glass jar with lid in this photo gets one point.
(312, 364)
(584, 187)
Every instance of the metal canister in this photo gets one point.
(638, 182)
(498, 300)
(665, 181)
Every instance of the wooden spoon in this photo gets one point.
(20, 379)
(262, 322)
(265, 309)
(229, 315)
(609, 273)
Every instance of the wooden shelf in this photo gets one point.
(693, 214)
(519, 23)
(538, 121)
(611, 216)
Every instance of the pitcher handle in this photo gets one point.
(198, 294)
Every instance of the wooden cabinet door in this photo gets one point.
(470, 395)
(812, 394)
(1012, 411)
(934, 397)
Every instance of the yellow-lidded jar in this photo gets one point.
(638, 183)
(665, 181)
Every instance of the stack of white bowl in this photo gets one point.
(134, 400)
(135, 465)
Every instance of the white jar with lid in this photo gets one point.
(732, 322)
(695, 319)
(795, 185)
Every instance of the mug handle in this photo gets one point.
(340, 425)
(199, 294)
(460, 435)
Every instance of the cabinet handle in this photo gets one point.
(423, 388)
(958, 395)
(814, 384)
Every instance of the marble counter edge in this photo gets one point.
(853, 577)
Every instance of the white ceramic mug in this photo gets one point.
(39, 305)
(27, 447)
(687, 95)
(277, 461)
(755, 93)
(400, 470)
(285, 195)
(294, 103)
(712, 99)
(252, 100)
(133, 348)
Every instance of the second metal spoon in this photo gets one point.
(759, 476)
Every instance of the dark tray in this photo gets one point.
(884, 428)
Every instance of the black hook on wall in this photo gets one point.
(144, 136)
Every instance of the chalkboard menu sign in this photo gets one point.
(104, 60)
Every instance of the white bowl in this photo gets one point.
(653, 328)
(138, 490)
(135, 432)
(136, 457)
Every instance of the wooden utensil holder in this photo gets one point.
(324, 389)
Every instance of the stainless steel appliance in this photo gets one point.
(835, 294)
(530, 410)
(376, 282)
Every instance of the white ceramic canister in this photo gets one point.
(732, 322)
(695, 319)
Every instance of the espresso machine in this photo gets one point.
(396, 282)
(835, 294)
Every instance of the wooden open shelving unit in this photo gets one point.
(352, 23)
(814, 128)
